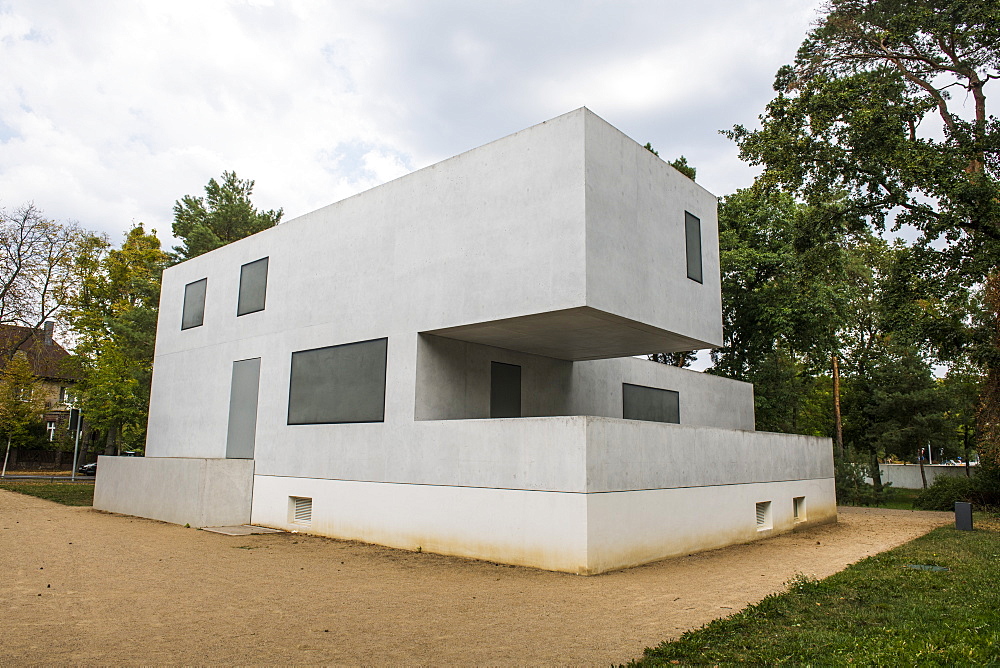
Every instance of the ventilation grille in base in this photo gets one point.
(302, 509)
(763, 515)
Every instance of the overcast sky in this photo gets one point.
(111, 111)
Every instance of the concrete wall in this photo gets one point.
(907, 476)
(521, 490)
(453, 383)
(199, 492)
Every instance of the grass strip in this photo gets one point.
(876, 612)
(66, 493)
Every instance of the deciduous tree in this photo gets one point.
(869, 109)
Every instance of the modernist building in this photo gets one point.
(444, 363)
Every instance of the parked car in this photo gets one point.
(88, 469)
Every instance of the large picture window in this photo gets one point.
(253, 287)
(650, 403)
(337, 384)
(692, 244)
(194, 304)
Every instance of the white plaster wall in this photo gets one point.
(199, 492)
(453, 383)
(636, 258)
(572, 532)
(705, 400)
(907, 476)
(631, 528)
(453, 380)
(541, 529)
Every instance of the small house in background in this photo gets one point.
(48, 360)
(446, 363)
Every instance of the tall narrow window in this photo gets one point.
(505, 390)
(650, 403)
(194, 304)
(692, 237)
(344, 383)
(253, 287)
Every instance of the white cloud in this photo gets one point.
(111, 111)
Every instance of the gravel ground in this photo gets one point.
(86, 587)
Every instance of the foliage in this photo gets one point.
(21, 405)
(982, 489)
(224, 215)
(66, 493)
(37, 270)
(852, 489)
(114, 317)
(875, 612)
(865, 117)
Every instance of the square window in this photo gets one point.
(344, 383)
(692, 245)
(253, 287)
(194, 304)
(650, 403)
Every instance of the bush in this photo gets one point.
(982, 490)
(852, 490)
(944, 492)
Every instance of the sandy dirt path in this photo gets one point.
(84, 587)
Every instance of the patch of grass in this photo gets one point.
(876, 612)
(901, 499)
(66, 493)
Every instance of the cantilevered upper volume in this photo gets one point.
(566, 239)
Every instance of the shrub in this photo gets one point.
(982, 490)
(852, 490)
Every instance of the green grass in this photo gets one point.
(876, 612)
(66, 493)
(902, 499)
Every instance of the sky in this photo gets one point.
(110, 111)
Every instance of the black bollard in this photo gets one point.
(963, 516)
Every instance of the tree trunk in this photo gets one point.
(876, 474)
(965, 449)
(838, 425)
(988, 416)
(923, 475)
(111, 441)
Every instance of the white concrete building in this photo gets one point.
(444, 363)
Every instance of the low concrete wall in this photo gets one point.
(907, 476)
(576, 494)
(199, 492)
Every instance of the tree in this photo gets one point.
(114, 317)
(37, 270)
(224, 215)
(867, 111)
(783, 301)
(21, 405)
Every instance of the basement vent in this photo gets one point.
(763, 515)
(302, 509)
(799, 508)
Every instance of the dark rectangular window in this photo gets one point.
(505, 390)
(253, 287)
(692, 237)
(194, 304)
(650, 403)
(344, 383)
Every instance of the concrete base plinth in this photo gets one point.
(195, 491)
